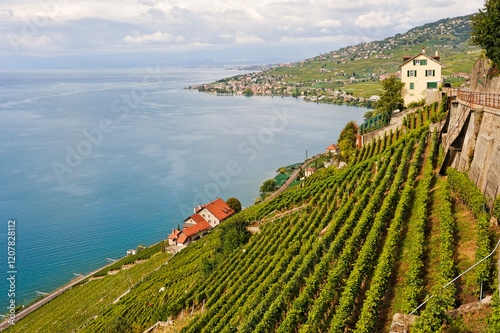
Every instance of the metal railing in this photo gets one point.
(477, 98)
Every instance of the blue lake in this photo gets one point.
(96, 162)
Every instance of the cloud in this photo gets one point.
(118, 26)
(373, 19)
(4, 13)
(248, 39)
(157, 37)
(328, 23)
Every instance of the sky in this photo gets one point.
(94, 33)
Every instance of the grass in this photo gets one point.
(465, 250)
(432, 259)
(86, 300)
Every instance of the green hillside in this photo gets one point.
(356, 70)
(359, 244)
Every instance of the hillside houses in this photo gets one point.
(205, 218)
(333, 149)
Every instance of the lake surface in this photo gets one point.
(96, 162)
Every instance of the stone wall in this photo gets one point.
(485, 167)
(479, 154)
(396, 122)
(481, 79)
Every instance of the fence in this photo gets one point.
(476, 98)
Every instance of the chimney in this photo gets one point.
(437, 54)
(194, 209)
(423, 49)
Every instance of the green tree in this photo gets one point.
(485, 29)
(347, 140)
(248, 92)
(268, 186)
(235, 204)
(391, 97)
(233, 233)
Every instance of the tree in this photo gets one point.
(233, 233)
(235, 204)
(485, 32)
(248, 92)
(391, 97)
(268, 186)
(347, 140)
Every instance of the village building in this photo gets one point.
(205, 218)
(309, 171)
(333, 149)
(419, 73)
(172, 239)
(192, 233)
(215, 212)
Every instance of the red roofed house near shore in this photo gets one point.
(172, 239)
(333, 149)
(205, 217)
(215, 212)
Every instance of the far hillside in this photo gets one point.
(354, 72)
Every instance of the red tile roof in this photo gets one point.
(174, 235)
(219, 208)
(182, 239)
(198, 218)
(195, 228)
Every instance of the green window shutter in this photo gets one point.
(412, 85)
(423, 62)
(413, 62)
(408, 73)
(433, 72)
(425, 73)
(415, 73)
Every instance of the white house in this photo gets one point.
(309, 171)
(419, 73)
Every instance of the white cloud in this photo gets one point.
(248, 39)
(156, 37)
(99, 26)
(373, 19)
(328, 23)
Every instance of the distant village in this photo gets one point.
(321, 90)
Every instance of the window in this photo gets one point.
(412, 85)
(423, 62)
(432, 84)
(412, 73)
(416, 62)
(430, 72)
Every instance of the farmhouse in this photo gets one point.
(309, 171)
(333, 149)
(419, 73)
(205, 218)
(215, 212)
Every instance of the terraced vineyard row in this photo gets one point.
(355, 251)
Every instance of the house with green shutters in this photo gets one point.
(419, 73)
